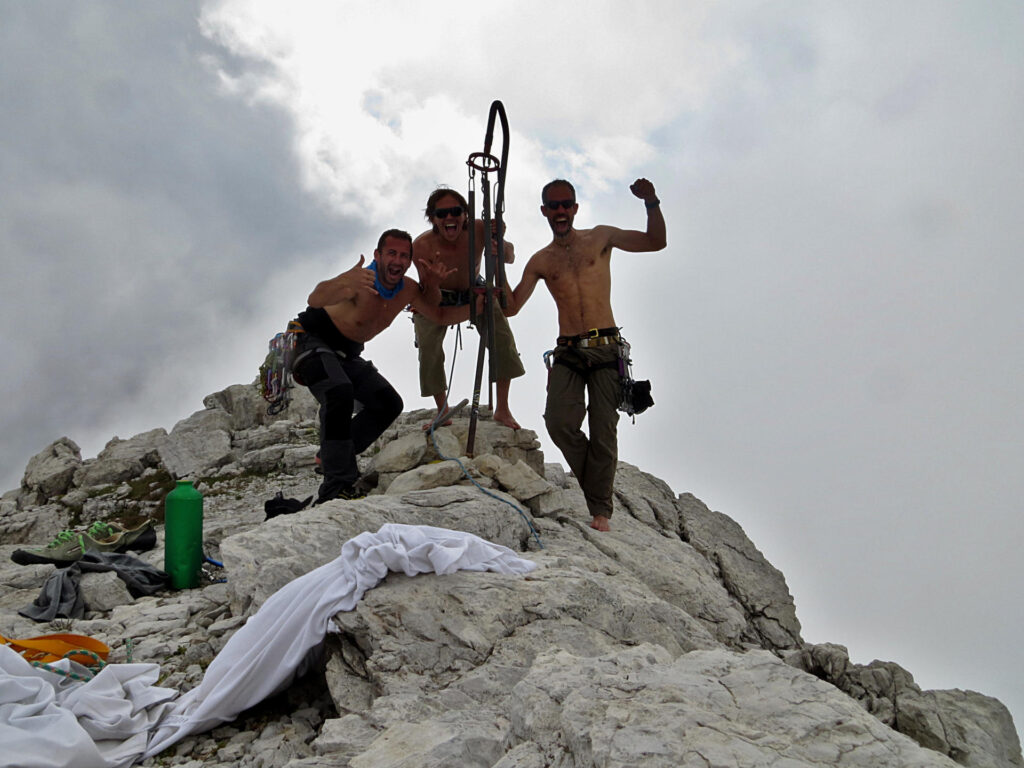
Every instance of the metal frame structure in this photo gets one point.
(493, 285)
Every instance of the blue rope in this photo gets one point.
(433, 425)
(92, 669)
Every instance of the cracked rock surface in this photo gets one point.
(669, 641)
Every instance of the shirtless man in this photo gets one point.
(575, 266)
(343, 314)
(447, 242)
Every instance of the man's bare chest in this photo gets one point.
(572, 266)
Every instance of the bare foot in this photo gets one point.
(504, 416)
(446, 421)
(600, 523)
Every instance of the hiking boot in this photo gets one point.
(366, 483)
(350, 494)
(69, 546)
(344, 493)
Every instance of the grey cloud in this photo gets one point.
(139, 204)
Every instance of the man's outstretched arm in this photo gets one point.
(653, 239)
(344, 287)
(517, 298)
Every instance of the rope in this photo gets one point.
(93, 668)
(465, 472)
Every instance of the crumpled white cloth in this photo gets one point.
(50, 721)
(261, 658)
(120, 716)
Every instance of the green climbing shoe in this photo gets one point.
(117, 538)
(69, 546)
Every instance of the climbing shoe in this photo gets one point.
(141, 538)
(69, 546)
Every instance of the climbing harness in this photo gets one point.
(493, 252)
(595, 337)
(275, 373)
(635, 396)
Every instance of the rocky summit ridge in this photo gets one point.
(670, 641)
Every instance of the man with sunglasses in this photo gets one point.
(576, 267)
(344, 313)
(447, 242)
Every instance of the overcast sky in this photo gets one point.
(833, 334)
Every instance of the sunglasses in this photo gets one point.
(554, 205)
(444, 213)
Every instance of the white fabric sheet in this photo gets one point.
(261, 658)
(121, 716)
(50, 721)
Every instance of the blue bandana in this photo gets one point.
(385, 293)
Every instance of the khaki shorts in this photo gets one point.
(430, 340)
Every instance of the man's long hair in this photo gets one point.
(436, 195)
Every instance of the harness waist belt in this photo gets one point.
(454, 298)
(595, 337)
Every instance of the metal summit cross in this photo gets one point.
(493, 284)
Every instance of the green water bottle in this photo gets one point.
(183, 535)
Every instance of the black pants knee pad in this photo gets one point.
(338, 402)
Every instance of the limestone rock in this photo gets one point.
(200, 442)
(714, 707)
(522, 481)
(103, 592)
(122, 460)
(402, 454)
(504, 442)
(23, 525)
(555, 502)
(247, 408)
(555, 474)
(971, 728)
(758, 586)
(487, 465)
(51, 471)
(426, 476)
(444, 445)
(656, 644)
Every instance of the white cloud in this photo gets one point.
(387, 98)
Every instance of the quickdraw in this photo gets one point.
(635, 396)
(275, 373)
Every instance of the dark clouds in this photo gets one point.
(140, 204)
